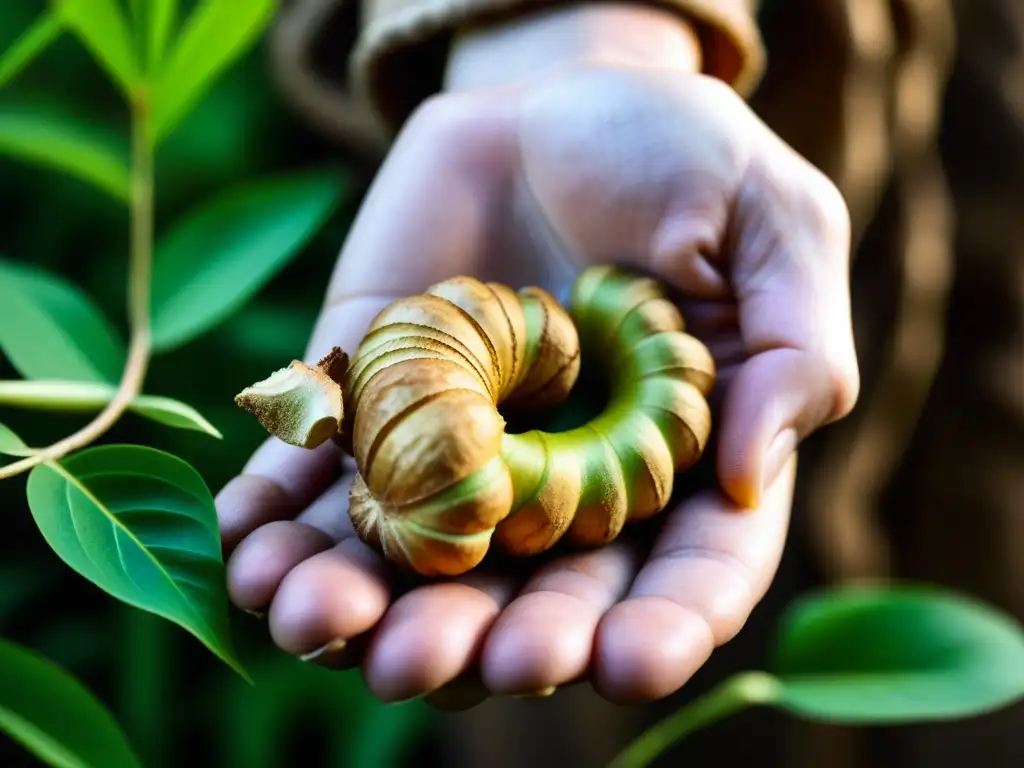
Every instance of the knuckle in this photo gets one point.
(454, 132)
(433, 114)
(845, 384)
(827, 209)
(441, 120)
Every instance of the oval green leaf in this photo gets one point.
(897, 654)
(55, 717)
(213, 37)
(141, 525)
(11, 444)
(221, 255)
(102, 27)
(68, 147)
(81, 396)
(32, 42)
(49, 328)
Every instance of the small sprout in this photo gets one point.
(301, 405)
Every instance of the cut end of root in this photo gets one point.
(300, 405)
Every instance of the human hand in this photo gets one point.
(526, 182)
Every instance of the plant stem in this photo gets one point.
(738, 692)
(140, 269)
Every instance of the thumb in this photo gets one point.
(790, 238)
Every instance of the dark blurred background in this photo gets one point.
(181, 706)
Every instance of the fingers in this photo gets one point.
(529, 647)
(330, 598)
(278, 482)
(708, 570)
(790, 260)
(260, 562)
(545, 637)
(432, 636)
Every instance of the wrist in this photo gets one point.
(627, 35)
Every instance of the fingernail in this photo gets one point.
(257, 614)
(544, 693)
(778, 454)
(335, 646)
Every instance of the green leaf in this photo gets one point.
(221, 255)
(140, 524)
(49, 329)
(32, 42)
(215, 35)
(153, 23)
(897, 654)
(162, 17)
(11, 444)
(55, 717)
(103, 29)
(67, 147)
(79, 396)
(173, 413)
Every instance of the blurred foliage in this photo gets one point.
(176, 701)
(887, 654)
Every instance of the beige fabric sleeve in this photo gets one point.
(358, 68)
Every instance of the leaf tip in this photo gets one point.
(212, 431)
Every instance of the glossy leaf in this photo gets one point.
(897, 654)
(49, 329)
(55, 717)
(213, 37)
(11, 444)
(221, 255)
(102, 27)
(79, 396)
(32, 42)
(67, 147)
(140, 524)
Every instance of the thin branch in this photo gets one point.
(139, 276)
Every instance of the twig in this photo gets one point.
(139, 274)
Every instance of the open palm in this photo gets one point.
(527, 185)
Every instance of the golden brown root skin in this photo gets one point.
(439, 479)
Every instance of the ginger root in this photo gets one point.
(439, 477)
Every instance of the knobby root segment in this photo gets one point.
(439, 479)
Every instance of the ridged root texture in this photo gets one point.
(438, 476)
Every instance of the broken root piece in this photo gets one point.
(302, 405)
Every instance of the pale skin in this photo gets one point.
(582, 136)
